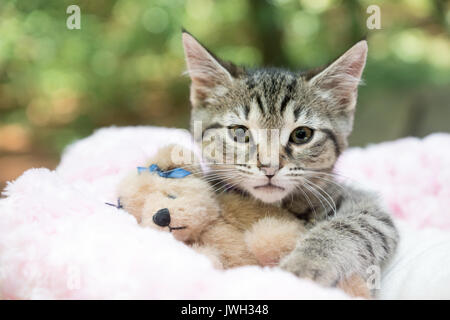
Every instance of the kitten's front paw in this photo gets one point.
(319, 270)
(355, 286)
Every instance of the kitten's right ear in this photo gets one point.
(205, 70)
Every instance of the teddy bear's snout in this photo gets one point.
(162, 217)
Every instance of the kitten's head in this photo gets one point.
(277, 127)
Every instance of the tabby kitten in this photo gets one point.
(309, 116)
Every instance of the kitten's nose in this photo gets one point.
(269, 171)
(162, 217)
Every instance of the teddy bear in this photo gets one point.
(170, 194)
(231, 229)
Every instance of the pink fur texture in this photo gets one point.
(58, 239)
(412, 176)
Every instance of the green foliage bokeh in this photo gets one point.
(125, 65)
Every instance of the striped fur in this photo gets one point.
(349, 231)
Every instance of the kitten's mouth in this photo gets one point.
(269, 187)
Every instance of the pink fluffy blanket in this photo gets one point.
(58, 239)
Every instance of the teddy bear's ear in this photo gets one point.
(176, 156)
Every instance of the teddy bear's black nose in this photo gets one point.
(162, 217)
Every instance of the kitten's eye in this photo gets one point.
(171, 196)
(301, 135)
(239, 133)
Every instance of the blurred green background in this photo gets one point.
(125, 65)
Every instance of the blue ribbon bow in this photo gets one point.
(177, 173)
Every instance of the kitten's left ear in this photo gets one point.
(339, 81)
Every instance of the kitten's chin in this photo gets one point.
(268, 194)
